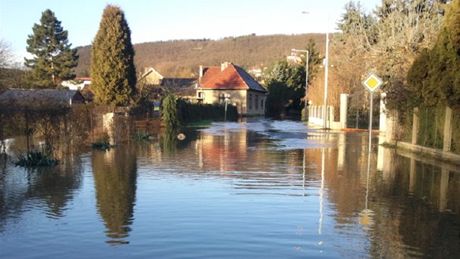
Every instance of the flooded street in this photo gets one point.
(261, 188)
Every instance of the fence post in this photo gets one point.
(343, 110)
(415, 126)
(412, 175)
(390, 134)
(331, 115)
(447, 138)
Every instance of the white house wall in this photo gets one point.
(240, 98)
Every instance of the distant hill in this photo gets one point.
(181, 58)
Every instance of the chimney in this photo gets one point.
(200, 73)
(224, 65)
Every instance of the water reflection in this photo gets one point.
(63, 132)
(115, 175)
(374, 189)
(46, 189)
(321, 196)
(268, 188)
(168, 141)
(366, 215)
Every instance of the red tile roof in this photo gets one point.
(231, 78)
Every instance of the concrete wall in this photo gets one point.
(392, 136)
(316, 114)
(244, 100)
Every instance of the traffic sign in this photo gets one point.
(372, 82)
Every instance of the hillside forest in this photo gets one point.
(181, 58)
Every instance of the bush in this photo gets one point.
(36, 158)
(102, 144)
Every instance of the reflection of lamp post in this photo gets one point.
(303, 170)
(321, 192)
(307, 57)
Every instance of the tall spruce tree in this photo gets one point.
(53, 58)
(112, 60)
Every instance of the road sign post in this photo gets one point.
(372, 82)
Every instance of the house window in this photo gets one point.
(250, 102)
(257, 102)
(262, 104)
(200, 95)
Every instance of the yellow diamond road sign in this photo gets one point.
(372, 82)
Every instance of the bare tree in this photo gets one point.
(5, 54)
(11, 75)
(386, 42)
(404, 29)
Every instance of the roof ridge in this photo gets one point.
(229, 76)
(249, 77)
(235, 67)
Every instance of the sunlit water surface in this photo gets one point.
(267, 189)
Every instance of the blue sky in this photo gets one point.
(153, 20)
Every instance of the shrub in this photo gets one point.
(102, 143)
(36, 158)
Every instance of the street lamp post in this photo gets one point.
(326, 72)
(307, 57)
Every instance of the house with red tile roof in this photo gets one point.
(216, 84)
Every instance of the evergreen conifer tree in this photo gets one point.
(113, 73)
(446, 65)
(433, 77)
(53, 58)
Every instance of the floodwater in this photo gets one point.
(256, 189)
